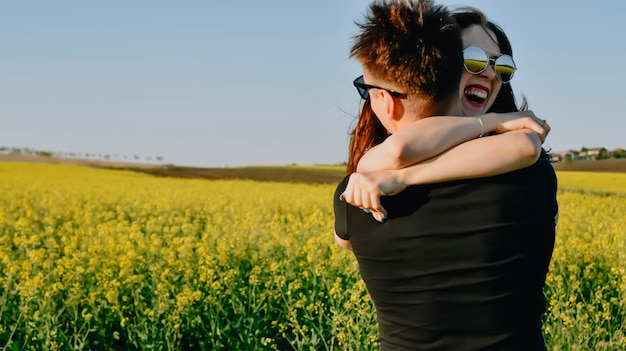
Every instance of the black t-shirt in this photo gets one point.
(458, 265)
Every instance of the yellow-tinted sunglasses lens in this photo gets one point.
(475, 59)
(505, 68)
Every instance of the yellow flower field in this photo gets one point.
(593, 182)
(94, 259)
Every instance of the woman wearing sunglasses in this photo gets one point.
(445, 148)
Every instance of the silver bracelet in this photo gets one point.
(482, 127)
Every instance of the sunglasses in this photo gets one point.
(363, 89)
(476, 59)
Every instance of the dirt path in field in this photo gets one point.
(612, 165)
(274, 174)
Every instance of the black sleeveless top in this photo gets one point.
(459, 265)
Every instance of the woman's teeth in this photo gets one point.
(476, 95)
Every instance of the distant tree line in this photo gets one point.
(585, 153)
(86, 155)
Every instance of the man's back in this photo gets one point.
(459, 265)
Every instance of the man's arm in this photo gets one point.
(340, 208)
(343, 243)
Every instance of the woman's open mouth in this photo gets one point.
(476, 95)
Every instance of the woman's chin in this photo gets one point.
(473, 109)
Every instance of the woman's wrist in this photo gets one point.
(482, 127)
(490, 121)
(408, 176)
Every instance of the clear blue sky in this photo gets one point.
(247, 82)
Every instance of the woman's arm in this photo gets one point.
(477, 158)
(484, 157)
(431, 136)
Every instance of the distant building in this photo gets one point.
(594, 153)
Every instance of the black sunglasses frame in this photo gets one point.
(363, 89)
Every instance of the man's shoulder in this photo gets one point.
(341, 186)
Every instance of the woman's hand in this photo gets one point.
(506, 122)
(365, 189)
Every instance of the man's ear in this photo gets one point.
(392, 106)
